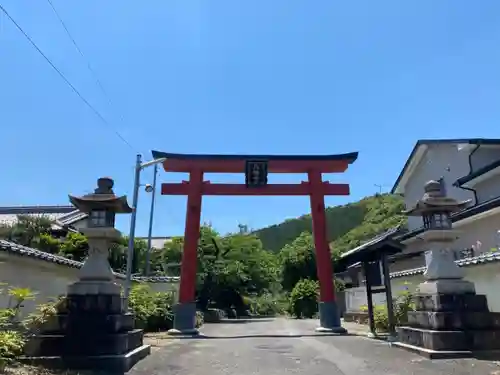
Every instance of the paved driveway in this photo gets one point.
(282, 346)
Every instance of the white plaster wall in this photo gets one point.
(434, 165)
(486, 277)
(47, 280)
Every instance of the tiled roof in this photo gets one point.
(72, 217)
(60, 215)
(19, 250)
(472, 261)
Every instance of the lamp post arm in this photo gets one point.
(151, 162)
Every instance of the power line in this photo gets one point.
(75, 90)
(89, 66)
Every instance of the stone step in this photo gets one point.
(83, 345)
(89, 324)
(439, 320)
(110, 364)
(472, 340)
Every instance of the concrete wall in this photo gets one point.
(485, 276)
(48, 280)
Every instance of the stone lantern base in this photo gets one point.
(450, 325)
(89, 332)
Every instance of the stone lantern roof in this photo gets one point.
(103, 198)
(435, 200)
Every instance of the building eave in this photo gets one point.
(419, 151)
(464, 217)
(372, 249)
(482, 174)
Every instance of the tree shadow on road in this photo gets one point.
(242, 321)
(263, 336)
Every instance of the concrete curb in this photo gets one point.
(368, 335)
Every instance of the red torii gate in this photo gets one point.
(256, 168)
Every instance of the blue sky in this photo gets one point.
(221, 76)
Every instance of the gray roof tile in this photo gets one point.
(13, 248)
(480, 259)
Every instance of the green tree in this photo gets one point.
(367, 217)
(75, 246)
(229, 267)
(297, 261)
(27, 230)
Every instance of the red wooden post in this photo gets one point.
(191, 237)
(185, 310)
(328, 313)
(323, 257)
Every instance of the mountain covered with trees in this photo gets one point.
(347, 226)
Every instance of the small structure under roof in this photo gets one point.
(373, 256)
(372, 250)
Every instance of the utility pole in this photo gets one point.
(131, 236)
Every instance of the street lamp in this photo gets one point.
(151, 189)
(139, 166)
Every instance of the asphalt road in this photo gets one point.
(283, 346)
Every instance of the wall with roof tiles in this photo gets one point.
(483, 271)
(48, 279)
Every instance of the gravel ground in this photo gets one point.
(283, 346)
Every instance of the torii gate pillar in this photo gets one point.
(256, 168)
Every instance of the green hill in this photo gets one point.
(348, 225)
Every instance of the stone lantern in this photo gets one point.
(91, 331)
(450, 320)
(96, 275)
(442, 275)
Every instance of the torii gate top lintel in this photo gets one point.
(211, 163)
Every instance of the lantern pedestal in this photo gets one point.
(91, 331)
(442, 275)
(451, 320)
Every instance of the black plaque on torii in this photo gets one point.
(255, 173)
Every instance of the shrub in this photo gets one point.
(403, 304)
(303, 301)
(48, 244)
(200, 319)
(152, 310)
(339, 285)
(12, 337)
(11, 346)
(268, 305)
